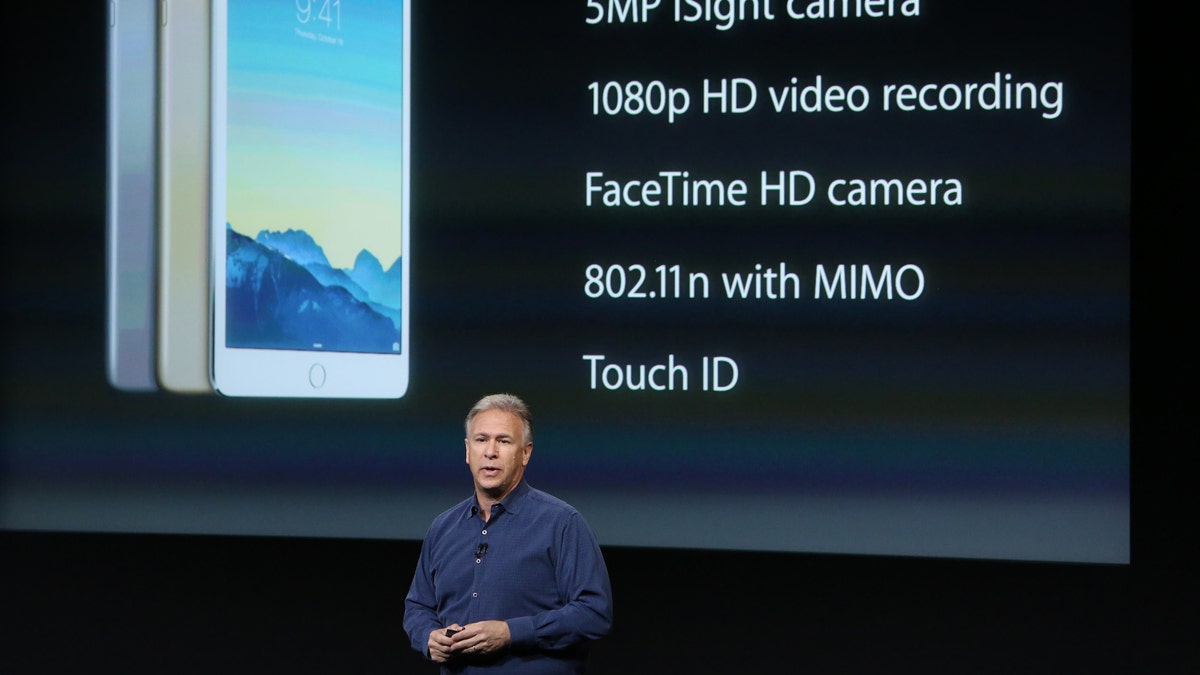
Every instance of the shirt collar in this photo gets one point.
(511, 503)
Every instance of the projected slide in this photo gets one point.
(846, 277)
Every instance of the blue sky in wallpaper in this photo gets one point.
(314, 157)
(315, 124)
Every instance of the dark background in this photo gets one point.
(159, 603)
(139, 603)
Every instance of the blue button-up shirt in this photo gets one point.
(534, 564)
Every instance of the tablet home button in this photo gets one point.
(316, 376)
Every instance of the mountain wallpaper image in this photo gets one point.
(282, 293)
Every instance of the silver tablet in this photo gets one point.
(310, 198)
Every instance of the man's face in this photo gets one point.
(497, 452)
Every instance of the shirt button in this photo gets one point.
(474, 595)
(485, 531)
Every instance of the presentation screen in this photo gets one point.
(846, 276)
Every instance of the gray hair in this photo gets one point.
(508, 403)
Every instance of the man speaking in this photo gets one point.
(511, 580)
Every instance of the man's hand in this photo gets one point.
(484, 637)
(440, 644)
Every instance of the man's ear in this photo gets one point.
(528, 451)
(467, 445)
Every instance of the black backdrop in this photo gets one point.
(138, 603)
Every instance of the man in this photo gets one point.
(511, 580)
